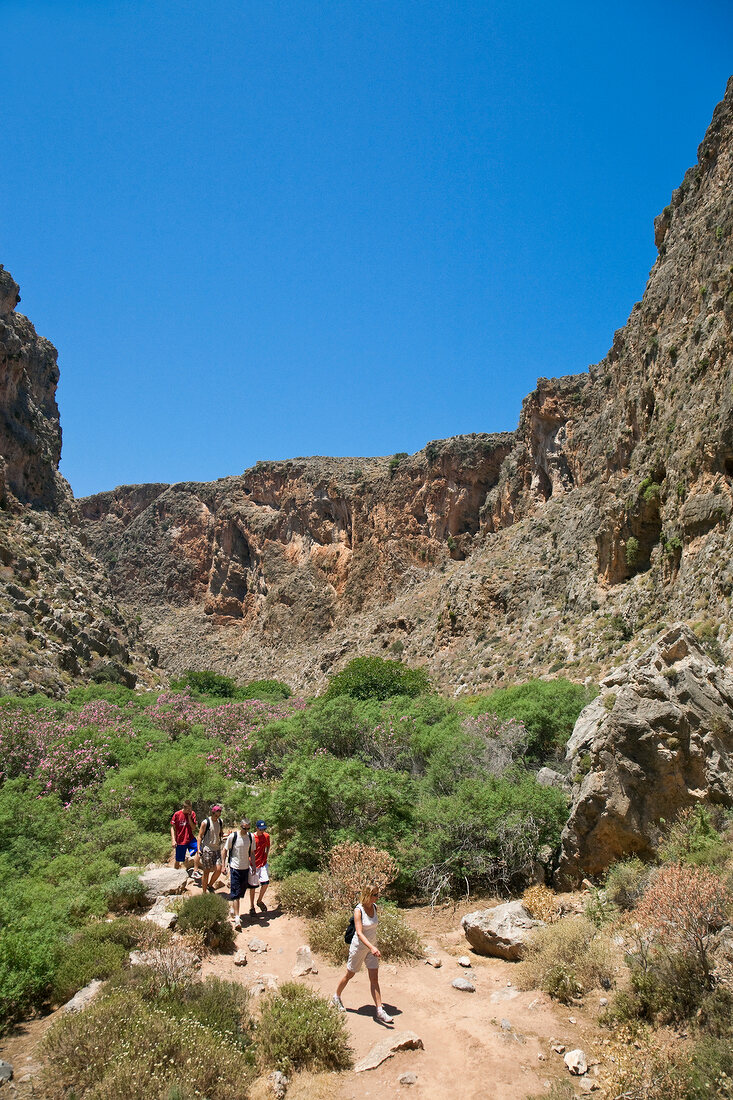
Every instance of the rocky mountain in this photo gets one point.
(564, 545)
(58, 618)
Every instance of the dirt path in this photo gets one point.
(477, 1046)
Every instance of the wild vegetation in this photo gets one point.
(88, 785)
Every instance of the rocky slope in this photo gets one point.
(58, 618)
(563, 545)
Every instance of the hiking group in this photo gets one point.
(208, 853)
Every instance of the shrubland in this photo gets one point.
(445, 788)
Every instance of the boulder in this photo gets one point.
(501, 932)
(380, 1052)
(6, 1071)
(576, 1062)
(84, 997)
(658, 738)
(160, 880)
(303, 963)
(160, 914)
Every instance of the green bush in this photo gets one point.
(270, 690)
(206, 682)
(396, 940)
(299, 1030)
(120, 1048)
(326, 936)
(207, 914)
(375, 678)
(692, 838)
(219, 1005)
(303, 894)
(27, 964)
(158, 784)
(84, 959)
(566, 959)
(626, 882)
(125, 892)
(548, 708)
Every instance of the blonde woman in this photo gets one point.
(364, 949)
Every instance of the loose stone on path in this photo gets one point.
(380, 1052)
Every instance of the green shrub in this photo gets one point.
(375, 678)
(119, 1048)
(566, 959)
(692, 838)
(125, 892)
(207, 914)
(548, 708)
(271, 690)
(158, 784)
(326, 935)
(299, 1030)
(303, 894)
(632, 552)
(396, 940)
(206, 682)
(220, 1005)
(27, 964)
(84, 959)
(665, 987)
(626, 881)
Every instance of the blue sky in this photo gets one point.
(262, 230)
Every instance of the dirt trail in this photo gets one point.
(477, 1046)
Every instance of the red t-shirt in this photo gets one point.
(262, 847)
(181, 828)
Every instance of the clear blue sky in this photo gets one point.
(269, 228)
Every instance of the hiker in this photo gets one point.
(364, 947)
(210, 849)
(183, 834)
(239, 852)
(262, 851)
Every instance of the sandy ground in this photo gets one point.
(477, 1046)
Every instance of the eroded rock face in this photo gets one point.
(658, 738)
(30, 430)
(487, 558)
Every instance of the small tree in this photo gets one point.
(354, 866)
(684, 906)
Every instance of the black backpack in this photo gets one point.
(350, 930)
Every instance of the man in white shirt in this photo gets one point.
(239, 853)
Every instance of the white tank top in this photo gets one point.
(368, 924)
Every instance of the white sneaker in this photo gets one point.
(337, 1002)
(384, 1017)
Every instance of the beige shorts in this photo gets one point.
(357, 954)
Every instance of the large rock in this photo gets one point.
(160, 914)
(657, 739)
(84, 997)
(380, 1052)
(501, 932)
(161, 881)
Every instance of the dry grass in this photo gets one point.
(566, 959)
(541, 903)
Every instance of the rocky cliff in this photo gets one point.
(561, 546)
(58, 618)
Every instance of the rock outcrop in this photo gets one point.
(562, 545)
(658, 738)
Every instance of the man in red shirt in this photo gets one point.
(183, 834)
(262, 851)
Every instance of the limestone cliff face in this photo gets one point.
(561, 546)
(58, 619)
(30, 431)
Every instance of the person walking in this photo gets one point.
(210, 849)
(364, 949)
(183, 834)
(239, 853)
(262, 852)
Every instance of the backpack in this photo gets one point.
(350, 930)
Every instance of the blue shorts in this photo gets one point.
(239, 881)
(183, 850)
